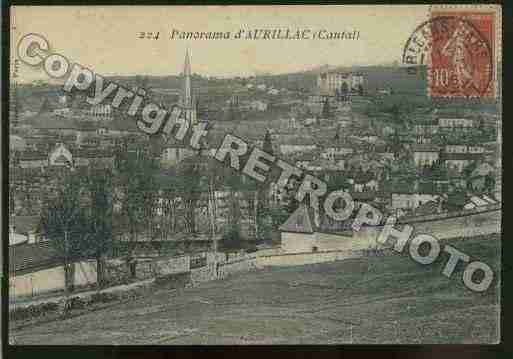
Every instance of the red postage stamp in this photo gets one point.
(459, 51)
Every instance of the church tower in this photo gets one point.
(187, 101)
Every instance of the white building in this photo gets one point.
(455, 122)
(60, 156)
(425, 154)
(332, 81)
(257, 105)
(101, 112)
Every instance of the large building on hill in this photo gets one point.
(331, 83)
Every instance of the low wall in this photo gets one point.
(241, 264)
(47, 280)
(203, 274)
(296, 259)
(85, 273)
(172, 265)
(466, 224)
(51, 279)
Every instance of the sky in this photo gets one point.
(105, 38)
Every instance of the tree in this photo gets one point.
(137, 192)
(233, 228)
(326, 109)
(64, 223)
(262, 210)
(344, 89)
(489, 183)
(16, 107)
(360, 90)
(100, 241)
(189, 175)
(46, 106)
(337, 181)
(170, 196)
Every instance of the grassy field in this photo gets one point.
(368, 300)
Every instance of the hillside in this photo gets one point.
(367, 300)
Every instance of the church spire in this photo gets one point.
(187, 91)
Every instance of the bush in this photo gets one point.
(102, 298)
(33, 311)
(75, 303)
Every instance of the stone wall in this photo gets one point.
(462, 224)
(172, 265)
(145, 269)
(51, 280)
(296, 259)
(467, 223)
(203, 274)
(297, 242)
(243, 264)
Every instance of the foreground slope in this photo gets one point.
(367, 300)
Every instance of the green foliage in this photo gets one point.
(337, 181)
(326, 110)
(268, 145)
(189, 187)
(64, 219)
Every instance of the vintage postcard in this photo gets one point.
(254, 175)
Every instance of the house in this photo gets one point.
(426, 128)
(62, 111)
(33, 159)
(258, 105)
(60, 156)
(461, 148)
(481, 177)
(483, 169)
(458, 161)
(302, 233)
(297, 144)
(16, 143)
(458, 123)
(100, 112)
(364, 181)
(425, 154)
(408, 196)
(336, 148)
(35, 268)
(384, 152)
(86, 157)
(428, 208)
(305, 159)
(26, 227)
(175, 154)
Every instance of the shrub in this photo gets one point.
(75, 303)
(102, 298)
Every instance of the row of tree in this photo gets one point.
(93, 210)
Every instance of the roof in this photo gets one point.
(25, 224)
(424, 147)
(301, 221)
(297, 141)
(29, 257)
(363, 177)
(16, 143)
(32, 155)
(462, 156)
(51, 121)
(483, 169)
(429, 207)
